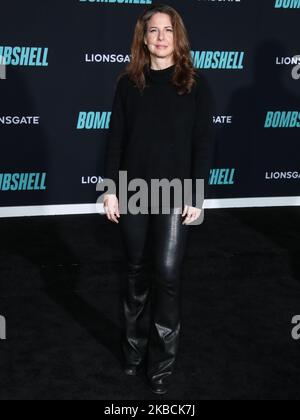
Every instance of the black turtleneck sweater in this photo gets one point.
(160, 134)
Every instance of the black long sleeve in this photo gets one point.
(115, 136)
(160, 134)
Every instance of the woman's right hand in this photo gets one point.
(111, 207)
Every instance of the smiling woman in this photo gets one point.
(160, 128)
(160, 41)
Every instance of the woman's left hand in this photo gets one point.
(191, 213)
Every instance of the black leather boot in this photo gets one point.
(132, 370)
(165, 327)
(136, 312)
(163, 351)
(159, 387)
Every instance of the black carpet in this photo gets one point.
(60, 288)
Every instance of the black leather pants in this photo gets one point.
(152, 309)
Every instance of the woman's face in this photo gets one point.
(160, 36)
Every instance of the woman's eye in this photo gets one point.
(154, 30)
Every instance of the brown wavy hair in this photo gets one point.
(184, 74)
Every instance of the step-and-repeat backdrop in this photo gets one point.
(59, 64)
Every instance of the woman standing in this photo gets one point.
(160, 127)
